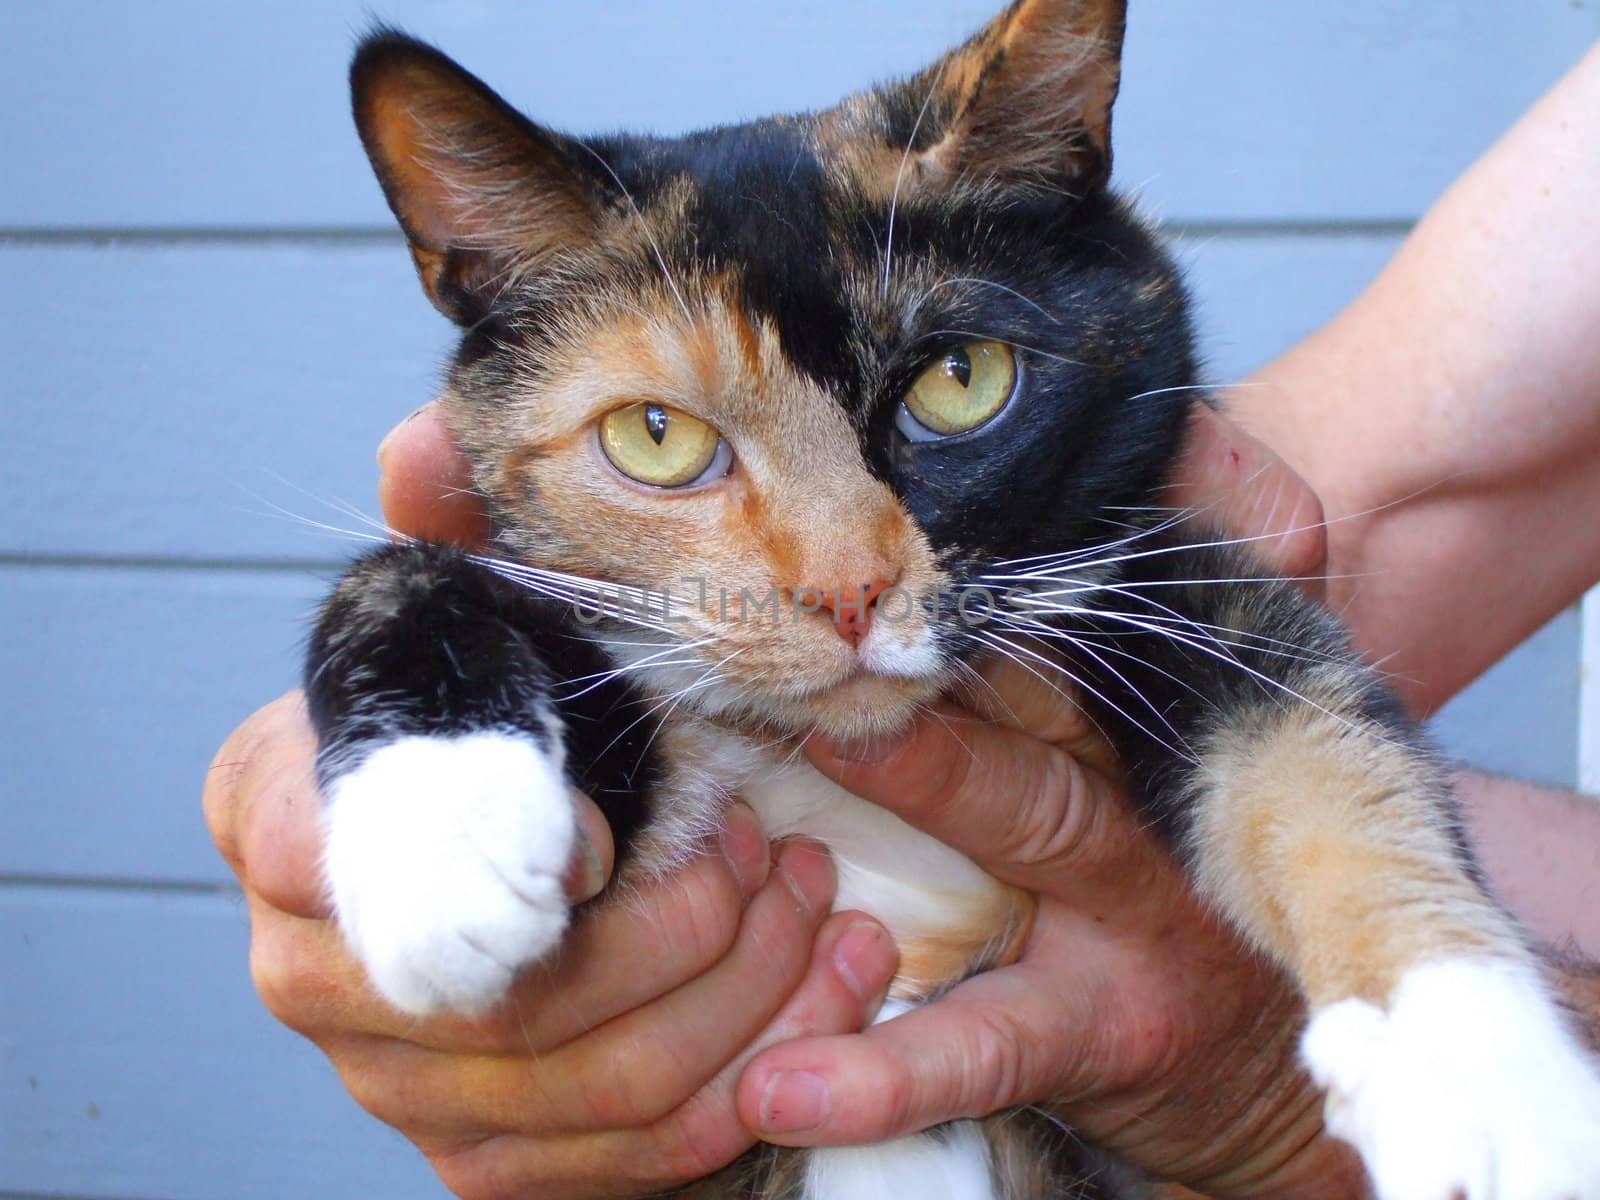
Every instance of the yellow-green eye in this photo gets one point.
(661, 446)
(961, 391)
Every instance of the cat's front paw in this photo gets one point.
(445, 857)
(1470, 1086)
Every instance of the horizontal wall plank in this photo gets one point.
(186, 113)
(176, 395)
(121, 686)
(127, 681)
(1254, 297)
(136, 1061)
(170, 396)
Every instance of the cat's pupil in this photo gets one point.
(655, 422)
(958, 366)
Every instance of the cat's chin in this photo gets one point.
(870, 705)
(865, 705)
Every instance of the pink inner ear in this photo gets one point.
(418, 192)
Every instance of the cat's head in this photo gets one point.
(819, 377)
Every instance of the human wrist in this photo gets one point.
(1318, 1168)
(1240, 1122)
(1292, 1156)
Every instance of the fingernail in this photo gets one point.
(744, 845)
(865, 959)
(793, 1102)
(867, 751)
(586, 874)
(807, 872)
(383, 446)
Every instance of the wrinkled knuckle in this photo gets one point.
(1066, 721)
(487, 1171)
(1056, 820)
(703, 917)
(292, 984)
(994, 1068)
(941, 781)
(694, 1141)
(896, 1099)
(611, 1095)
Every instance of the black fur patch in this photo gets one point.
(420, 639)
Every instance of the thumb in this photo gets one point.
(593, 855)
(425, 485)
(1241, 487)
(989, 1044)
(1024, 810)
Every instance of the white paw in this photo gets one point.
(444, 859)
(1469, 1086)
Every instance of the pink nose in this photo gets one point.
(851, 608)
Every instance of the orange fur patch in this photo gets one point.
(984, 940)
(1327, 845)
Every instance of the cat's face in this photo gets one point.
(817, 379)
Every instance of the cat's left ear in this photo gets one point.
(483, 194)
(1024, 103)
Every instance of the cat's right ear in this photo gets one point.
(483, 194)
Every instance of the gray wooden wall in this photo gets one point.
(205, 318)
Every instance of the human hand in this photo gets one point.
(1134, 1012)
(612, 1071)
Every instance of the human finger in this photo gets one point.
(618, 955)
(635, 1069)
(1025, 810)
(262, 808)
(841, 990)
(425, 484)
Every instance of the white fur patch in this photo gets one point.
(444, 858)
(1470, 1085)
(913, 883)
(896, 648)
(952, 1166)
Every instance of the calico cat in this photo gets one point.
(783, 425)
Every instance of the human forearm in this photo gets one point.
(1541, 850)
(1450, 417)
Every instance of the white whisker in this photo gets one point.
(899, 175)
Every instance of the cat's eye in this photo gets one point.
(664, 447)
(959, 392)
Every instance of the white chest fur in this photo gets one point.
(924, 892)
(918, 887)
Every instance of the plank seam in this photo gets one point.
(93, 883)
(175, 563)
(141, 235)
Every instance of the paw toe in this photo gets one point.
(445, 858)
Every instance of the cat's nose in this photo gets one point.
(851, 608)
